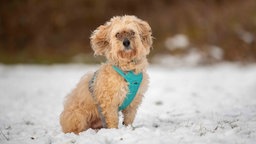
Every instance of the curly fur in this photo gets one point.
(80, 109)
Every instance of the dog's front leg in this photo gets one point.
(129, 115)
(110, 116)
(130, 112)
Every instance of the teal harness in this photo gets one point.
(134, 81)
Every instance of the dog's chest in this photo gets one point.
(119, 85)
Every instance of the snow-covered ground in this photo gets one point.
(213, 104)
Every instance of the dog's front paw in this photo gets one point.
(129, 125)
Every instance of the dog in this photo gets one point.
(125, 41)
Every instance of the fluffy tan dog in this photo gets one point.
(125, 41)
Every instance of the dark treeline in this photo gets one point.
(56, 30)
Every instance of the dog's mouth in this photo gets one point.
(127, 49)
(128, 53)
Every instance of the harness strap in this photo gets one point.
(91, 89)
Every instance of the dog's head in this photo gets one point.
(122, 38)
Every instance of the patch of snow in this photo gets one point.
(216, 52)
(179, 41)
(192, 58)
(187, 105)
(246, 36)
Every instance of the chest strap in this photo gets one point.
(134, 81)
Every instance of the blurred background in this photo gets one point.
(189, 32)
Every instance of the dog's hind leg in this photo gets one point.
(73, 121)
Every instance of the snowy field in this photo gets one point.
(207, 105)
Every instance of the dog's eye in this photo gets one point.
(143, 38)
(132, 33)
(118, 35)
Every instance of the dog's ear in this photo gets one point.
(100, 39)
(145, 33)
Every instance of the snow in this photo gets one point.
(211, 104)
(244, 35)
(216, 52)
(179, 41)
(191, 59)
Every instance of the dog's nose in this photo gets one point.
(126, 42)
